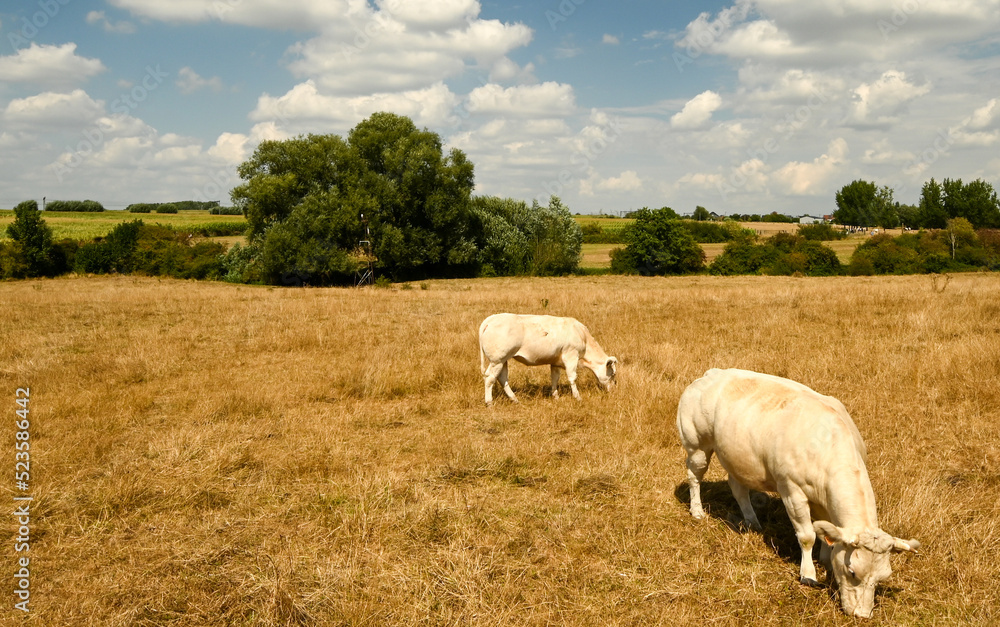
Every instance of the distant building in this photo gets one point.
(810, 220)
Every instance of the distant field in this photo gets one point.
(78, 225)
(206, 454)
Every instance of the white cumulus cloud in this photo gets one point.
(697, 111)
(49, 66)
(544, 99)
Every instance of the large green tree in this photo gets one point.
(657, 243)
(975, 201)
(304, 199)
(863, 203)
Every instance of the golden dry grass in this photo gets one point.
(210, 454)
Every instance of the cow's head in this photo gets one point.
(860, 561)
(607, 372)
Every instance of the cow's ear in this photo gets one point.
(832, 534)
(910, 545)
(613, 364)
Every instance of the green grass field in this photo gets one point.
(85, 226)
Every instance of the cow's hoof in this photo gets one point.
(812, 583)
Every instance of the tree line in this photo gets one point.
(865, 204)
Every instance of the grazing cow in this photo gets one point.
(562, 343)
(776, 435)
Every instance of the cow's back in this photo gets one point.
(766, 429)
(531, 339)
(500, 336)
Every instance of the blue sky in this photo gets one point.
(748, 106)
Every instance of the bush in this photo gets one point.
(89, 206)
(140, 207)
(241, 264)
(821, 232)
(151, 249)
(515, 239)
(32, 246)
(166, 208)
(597, 234)
(743, 257)
(780, 254)
(657, 244)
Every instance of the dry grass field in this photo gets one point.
(212, 454)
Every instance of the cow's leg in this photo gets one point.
(569, 362)
(824, 559)
(797, 506)
(502, 378)
(742, 495)
(697, 464)
(555, 381)
(490, 375)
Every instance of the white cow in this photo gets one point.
(776, 435)
(562, 343)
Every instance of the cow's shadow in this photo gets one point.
(777, 531)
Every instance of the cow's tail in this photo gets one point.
(482, 353)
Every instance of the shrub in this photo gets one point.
(140, 207)
(241, 264)
(166, 208)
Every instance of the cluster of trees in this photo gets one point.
(782, 253)
(958, 247)
(318, 205)
(130, 247)
(172, 207)
(863, 203)
(89, 206)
